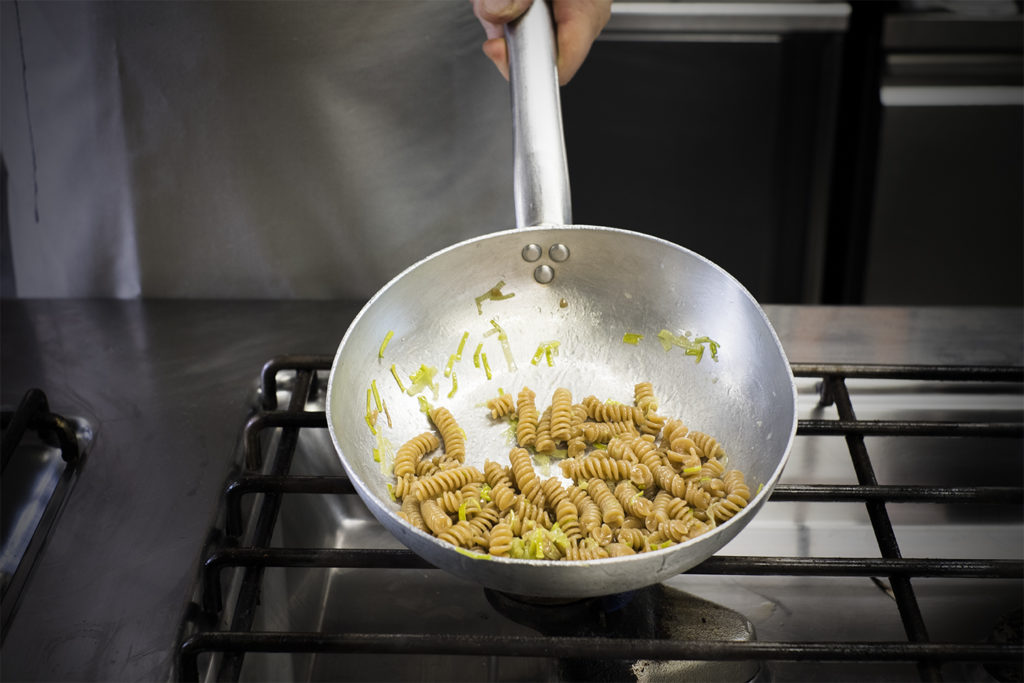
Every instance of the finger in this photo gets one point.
(578, 23)
(499, 12)
(497, 51)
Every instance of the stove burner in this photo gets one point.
(658, 611)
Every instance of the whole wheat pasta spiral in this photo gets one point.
(504, 496)
(434, 516)
(447, 480)
(612, 513)
(618, 550)
(409, 453)
(451, 434)
(501, 406)
(500, 540)
(561, 414)
(632, 500)
(545, 443)
(634, 538)
(554, 492)
(589, 511)
(611, 412)
(707, 446)
(410, 512)
(495, 474)
(595, 466)
(643, 397)
(568, 519)
(586, 549)
(526, 409)
(525, 477)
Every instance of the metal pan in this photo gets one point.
(584, 287)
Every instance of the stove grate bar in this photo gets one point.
(569, 647)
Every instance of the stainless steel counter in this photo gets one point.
(165, 385)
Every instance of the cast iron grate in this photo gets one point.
(201, 635)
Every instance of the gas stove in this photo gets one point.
(891, 550)
(207, 530)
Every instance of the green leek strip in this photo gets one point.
(462, 511)
(376, 455)
(384, 344)
(455, 385)
(376, 396)
(492, 294)
(476, 355)
(471, 555)
(391, 492)
(487, 367)
(485, 493)
(547, 353)
(687, 471)
(462, 345)
(424, 404)
(369, 395)
(448, 368)
(369, 423)
(394, 373)
(537, 356)
(506, 347)
(386, 413)
(632, 338)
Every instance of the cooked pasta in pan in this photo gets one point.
(639, 481)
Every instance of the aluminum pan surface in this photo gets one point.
(614, 282)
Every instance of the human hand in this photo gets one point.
(577, 24)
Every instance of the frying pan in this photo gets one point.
(586, 288)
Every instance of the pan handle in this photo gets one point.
(540, 170)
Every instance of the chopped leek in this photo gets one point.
(692, 347)
(386, 413)
(384, 344)
(455, 385)
(423, 379)
(394, 373)
(462, 511)
(492, 294)
(462, 345)
(632, 338)
(424, 405)
(687, 471)
(376, 396)
(471, 555)
(387, 338)
(485, 493)
(448, 367)
(548, 350)
(505, 346)
(487, 367)
(476, 355)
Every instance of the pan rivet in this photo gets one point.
(544, 274)
(558, 253)
(532, 252)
